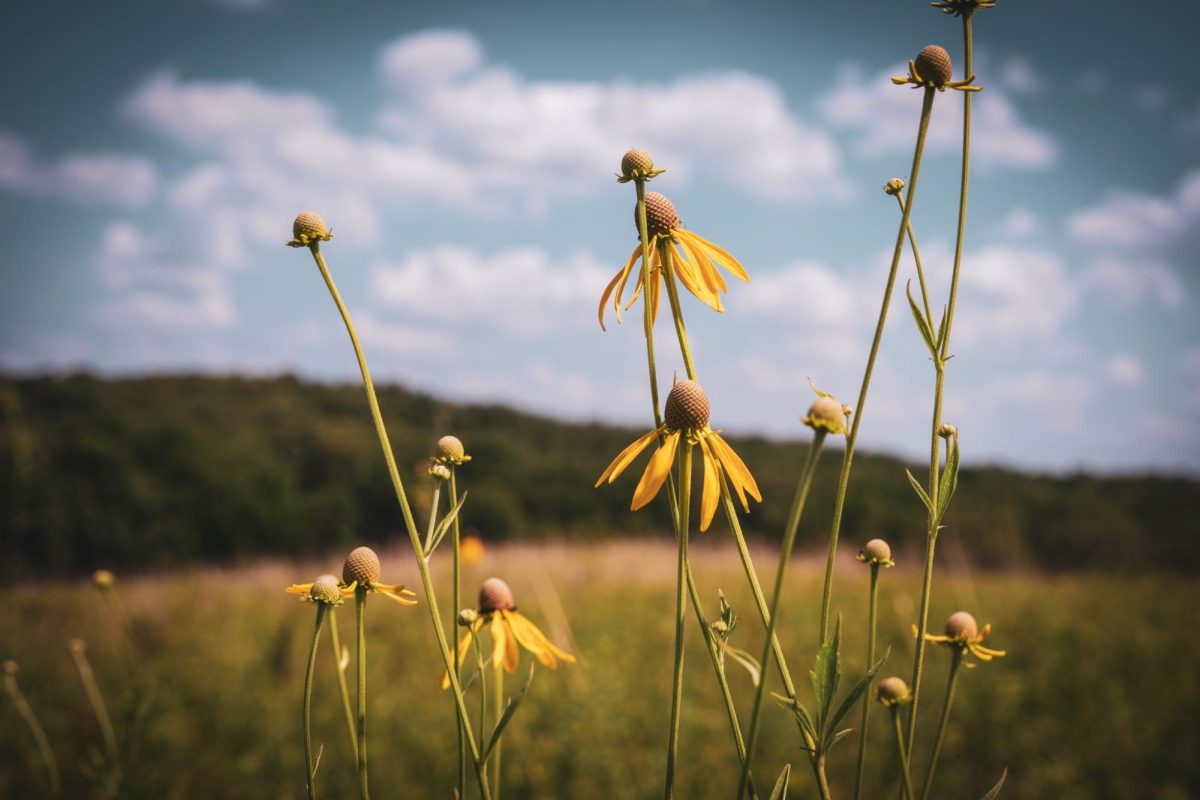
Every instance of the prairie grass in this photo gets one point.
(1097, 697)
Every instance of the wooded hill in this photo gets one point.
(162, 471)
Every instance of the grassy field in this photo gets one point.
(1097, 698)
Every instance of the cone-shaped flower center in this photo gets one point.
(961, 625)
(325, 589)
(309, 224)
(686, 408)
(933, 64)
(892, 690)
(661, 217)
(362, 565)
(450, 447)
(636, 161)
(495, 595)
(877, 550)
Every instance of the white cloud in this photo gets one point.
(1125, 369)
(396, 338)
(1151, 98)
(1018, 76)
(120, 180)
(519, 290)
(1013, 294)
(1020, 223)
(884, 117)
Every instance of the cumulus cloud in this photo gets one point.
(1125, 369)
(107, 179)
(883, 118)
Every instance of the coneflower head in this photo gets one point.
(686, 408)
(661, 217)
(934, 65)
(495, 595)
(361, 567)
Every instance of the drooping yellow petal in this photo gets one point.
(694, 283)
(619, 278)
(499, 633)
(712, 485)
(536, 642)
(656, 472)
(736, 469)
(398, 593)
(511, 654)
(464, 646)
(704, 265)
(624, 458)
(722, 256)
(301, 589)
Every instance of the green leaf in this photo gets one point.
(922, 323)
(837, 737)
(746, 660)
(781, 785)
(443, 526)
(949, 481)
(826, 674)
(941, 337)
(507, 715)
(861, 686)
(994, 792)
(802, 716)
(920, 491)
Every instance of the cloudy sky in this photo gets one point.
(153, 155)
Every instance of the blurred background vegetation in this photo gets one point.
(166, 471)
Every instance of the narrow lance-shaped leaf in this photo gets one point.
(802, 718)
(443, 526)
(746, 660)
(826, 674)
(920, 490)
(994, 792)
(922, 323)
(949, 481)
(781, 785)
(507, 715)
(861, 686)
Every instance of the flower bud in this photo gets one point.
(947, 431)
(876, 551)
(892, 691)
(325, 590)
(103, 579)
(961, 626)
(826, 414)
(450, 448)
(495, 595)
(934, 66)
(467, 617)
(440, 471)
(894, 186)
(361, 567)
(309, 227)
(686, 408)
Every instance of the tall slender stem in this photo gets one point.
(457, 598)
(498, 710)
(785, 555)
(35, 726)
(112, 777)
(906, 781)
(912, 242)
(852, 439)
(343, 689)
(822, 781)
(668, 262)
(647, 306)
(685, 491)
(940, 364)
(309, 777)
(360, 615)
(409, 522)
(951, 685)
(872, 603)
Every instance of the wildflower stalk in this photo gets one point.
(117, 609)
(498, 709)
(785, 554)
(852, 436)
(906, 785)
(912, 242)
(648, 311)
(866, 699)
(343, 689)
(309, 777)
(685, 486)
(668, 265)
(940, 366)
(92, 689)
(951, 684)
(409, 523)
(360, 616)
(35, 726)
(457, 581)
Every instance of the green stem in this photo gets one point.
(344, 690)
(668, 262)
(906, 785)
(360, 615)
(35, 727)
(912, 242)
(822, 781)
(478, 647)
(310, 777)
(409, 523)
(968, 51)
(866, 698)
(498, 710)
(685, 490)
(92, 689)
(117, 609)
(852, 438)
(785, 555)
(951, 685)
(647, 310)
(457, 594)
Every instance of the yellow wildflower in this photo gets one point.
(964, 633)
(360, 569)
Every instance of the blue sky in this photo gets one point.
(152, 156)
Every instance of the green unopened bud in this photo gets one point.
(467, 617)
(826, 414)
(440, 471)
(947, 431)
(894, 186)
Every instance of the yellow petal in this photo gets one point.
(499, 633)
(464, 645)
(533, 640)
(692, 281)
(511, 654)
(722, 256)
(703, 263)
(624, 458)
(301, 589)
(398, 593)
(656, 472)
(712, 486)
(735, 467)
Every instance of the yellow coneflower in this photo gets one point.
(360, 569)
(686, 414)
(498, 610)
(964, 633)
(695, 261)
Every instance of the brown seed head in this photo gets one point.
(876, 551)
(961, 626)
(661, 217)
(451, 448)
(309, 225)
(495, 595)
(826, 414)
(686, 408)
(892, 691)
(636, 163)
(325, 589)
(362, 565)
(103, 578)
(933, 65)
